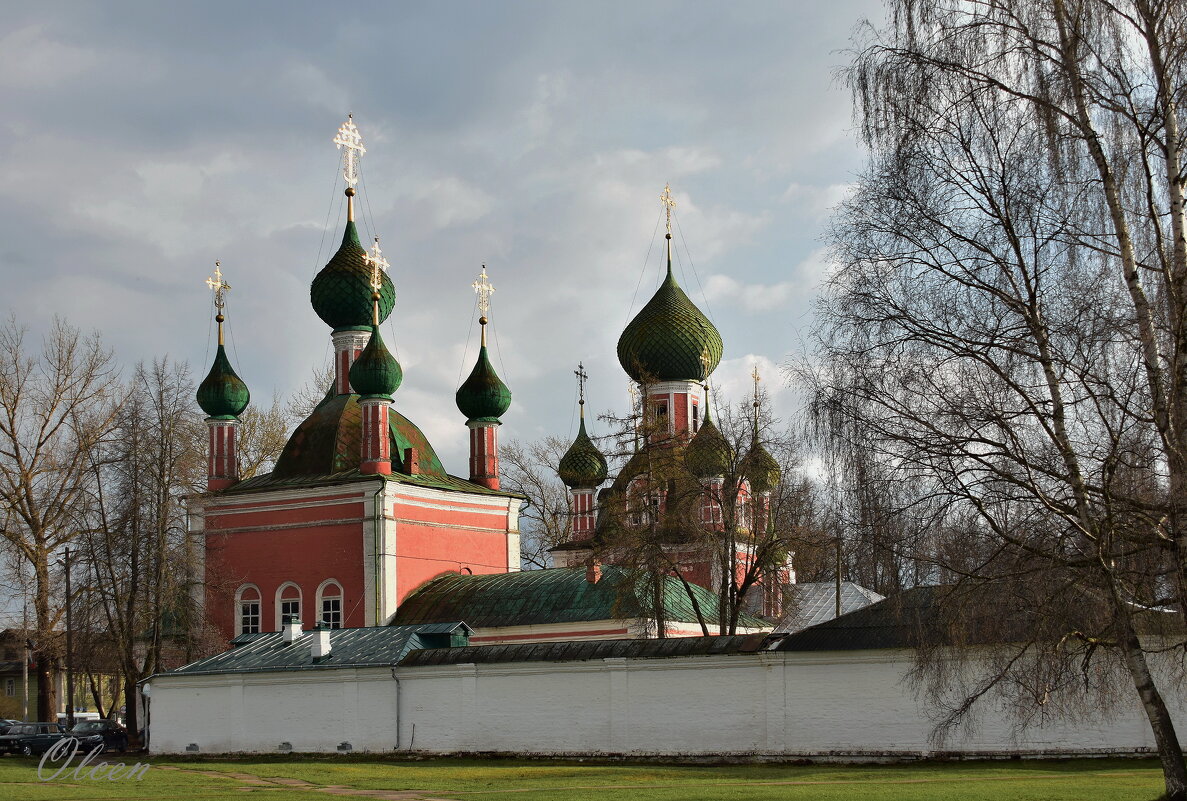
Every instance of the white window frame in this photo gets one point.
(280, 601)
(323, 596)
(239, 601)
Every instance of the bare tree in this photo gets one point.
(1006, 336)
(545, 521)
(57, 408)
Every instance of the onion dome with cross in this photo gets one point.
(483, 397)
(341, 292)
(758, 466)
(708, 455)
(222, 394)
(665, 340)
(376, 373)
(583, 465)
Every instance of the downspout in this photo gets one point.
(376, 511)
(396, 679)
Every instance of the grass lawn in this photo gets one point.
(311, 778)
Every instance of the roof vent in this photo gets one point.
(291, 628)
(321, 642)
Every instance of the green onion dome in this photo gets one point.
(667, 338)
(375, 373)
(483, 397)
(341, 292)
(222, 394)
(760, 468)
(583, 465)
(709, 455)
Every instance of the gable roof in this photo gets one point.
(372, 646)
(555, 595)
(812, 603)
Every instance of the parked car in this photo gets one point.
(91, 733)
(6, 724)
(31, 738)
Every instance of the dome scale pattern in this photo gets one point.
(483, 397)
(341, 292)
(222, 394)
(667, 338)
(583, 465)
(708, 455)
(760, 468)
(376, 373)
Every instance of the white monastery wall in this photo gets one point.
(790, 704)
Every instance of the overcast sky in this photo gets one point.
(143, 141)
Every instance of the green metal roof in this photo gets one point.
(760, 468)
(222, 393)
(556, 595)
(483, 397)
(597, 649)
(373, 646)
(583, 465)
(341, 292)
(329, 441)
(667, 338)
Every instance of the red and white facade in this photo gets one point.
(222, 470)
(350, 552)
(484, 453)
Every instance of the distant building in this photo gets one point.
(816, 602)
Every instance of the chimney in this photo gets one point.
(321, 641)
(291, 628)
(412, 461)
(593, 572)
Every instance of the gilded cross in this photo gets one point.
(219, 286)
(705, 362)
(582, 377)
(350, 141)
(377, 262)
(633, 391)
(754, 374)
(484, 288)
(669, 204)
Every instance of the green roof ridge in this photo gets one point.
(483, 397)
(222, 394)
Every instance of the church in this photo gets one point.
(359, 524)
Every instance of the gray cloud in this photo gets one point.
(142, 141)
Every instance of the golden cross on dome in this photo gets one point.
(219, 286)
(582, 377)
(705, 362)
(377, 263)
(669, 204)
(484, 288)
(633, 391)
(754, 374)
(350, 141)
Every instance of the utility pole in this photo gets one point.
(69, 651)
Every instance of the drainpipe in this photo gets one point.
(396, 679)
(376, 514)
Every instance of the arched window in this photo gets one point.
(288, 603)
(329, 602)
(247, 610)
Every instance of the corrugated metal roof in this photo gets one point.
(579, 651)
(357, 647)
(556, 595)
(813, 603)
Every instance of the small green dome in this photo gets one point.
(666, 339)
(222, 394)
(583, 465)
(760, 468)
(375, 373)
(709, 455)
(483, 397)
(341, 292)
